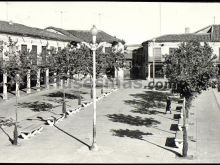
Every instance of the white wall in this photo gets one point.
(29, 41)
(166, 45)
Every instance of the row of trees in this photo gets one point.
(67, 63)
(191, 68)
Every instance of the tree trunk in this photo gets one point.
(79, 96)
(15, 133)
(91, 91)
(185, 139)
(64, 102)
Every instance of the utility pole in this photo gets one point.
(160, 16)
(61, 19)
(7, 11)
(100, 19)
(214, 20)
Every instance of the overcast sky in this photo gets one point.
(135, 22)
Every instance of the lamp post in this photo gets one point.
(94, 46)
(94, 32)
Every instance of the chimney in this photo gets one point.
(187, 30)
(11, 22)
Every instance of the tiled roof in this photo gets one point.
(183, 37)
(19, 29)
(64, 32)
(210, 33)
(87, 36)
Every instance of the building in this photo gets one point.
(40, 40)
(133, 60)
(29, 38)
(158, 47)
(102, 37)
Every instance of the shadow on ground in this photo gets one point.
(9, 138)
(130, 133)
(58, 128)
(128, 119)
(136, 134)
(170, 142)
(60, 94)
(144, 102)
(37, 106)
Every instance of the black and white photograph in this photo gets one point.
(109, 82)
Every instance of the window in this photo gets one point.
(172, 50)
(1, 50)
(44, 53)
(34, 53)
(157, 54)
(219, 55)
(23, 48)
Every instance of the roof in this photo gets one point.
(86, 36)
(209, 33)
(183, 37)
(23, 30)
(64, 32)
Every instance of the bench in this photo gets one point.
(180, 109)
(31, 130)
(179, 139)
(86, 104)
(99, 98)
(180, 101)
(180, 124)
(70, 112)
(107, 93)
(60, 118)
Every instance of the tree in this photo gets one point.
(101, 63)
(115, 61)
(61, 65)
(189, 70)
(16, 68)
(78, 65)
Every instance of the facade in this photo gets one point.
(102, 37)
(134, 60)
(156, 48)
(28, 38)
(39, 40)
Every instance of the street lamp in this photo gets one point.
(94, 32)
(94, 46)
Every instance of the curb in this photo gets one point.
(216, 99)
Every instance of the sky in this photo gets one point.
(134, 22)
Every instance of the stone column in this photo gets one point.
(47, 78)
(55, 79)
(29, 81)
(103, 49)
(149, 70)
(38, 80)
(5, 91)
(17, 85)
(61, 83)
(68, 79)
(164, 77)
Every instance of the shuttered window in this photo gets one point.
(172, 50)
(34, 54)
(219, 54)
(24, 48)
(44, 53)
(157, 54)
(1, 50)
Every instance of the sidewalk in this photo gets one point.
(131, 128)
